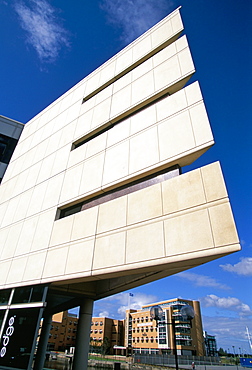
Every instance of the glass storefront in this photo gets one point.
(18, 336)
(21, 310)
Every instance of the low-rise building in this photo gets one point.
(106, 335)
(63, 331)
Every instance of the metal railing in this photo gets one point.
(165, 360)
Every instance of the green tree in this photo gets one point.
(105, 347)
(222, 352)
(94, 346)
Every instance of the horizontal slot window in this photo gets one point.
(121, 191)
(110, 125)
(131, 67)
(88, 138)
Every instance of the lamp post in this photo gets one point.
(187, 313)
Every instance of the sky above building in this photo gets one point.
(47, 46)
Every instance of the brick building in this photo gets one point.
(106, 335)
(63, 331)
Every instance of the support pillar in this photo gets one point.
(43, 340)
(80, 361)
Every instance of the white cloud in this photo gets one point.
(229, 303)
(43, 29)
(136, 302)
(103, 314)
(202, 280)
(135, 16)
(244, 267)
(116, 305)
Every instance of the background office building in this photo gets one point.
(10, 131)
(106, 335)
(138, 333)
(145, 335)
(63, 332)
(94, 200)
(210, 344)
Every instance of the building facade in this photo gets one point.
(138, 333)
(99, 172)
(63, 331)
(10, 131)
(210, 344)
(145, 335)
(106, 335)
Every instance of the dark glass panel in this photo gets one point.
(28, 294)
(4, 296)
(7, 146)
(2, 312)
(22, 295)
(37, 293)
(3, 147)
(70, 210)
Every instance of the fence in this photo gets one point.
(169, 360)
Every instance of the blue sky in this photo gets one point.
(47, 46)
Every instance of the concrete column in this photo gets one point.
(43, 340)
(80, 361)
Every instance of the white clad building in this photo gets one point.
(94, 201)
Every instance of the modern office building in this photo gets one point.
(94, 200)
(145, 335)
(210, 344)
(10, 131)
